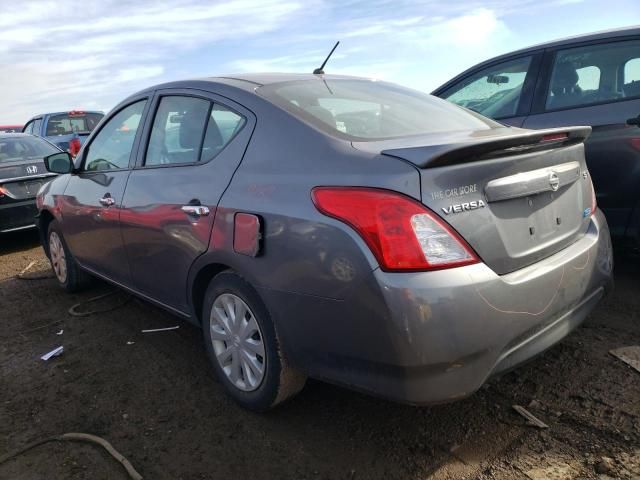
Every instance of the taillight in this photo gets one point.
(403, 234)
(3, 191)
(74, 146)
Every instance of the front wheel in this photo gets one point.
(243, 346)
(69, 275)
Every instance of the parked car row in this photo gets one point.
(346, 229)
(22, 170)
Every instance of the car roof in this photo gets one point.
(605, 34)
(62, 113)
(602, 35)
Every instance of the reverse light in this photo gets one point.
(403, 234)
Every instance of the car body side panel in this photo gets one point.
(430, 337)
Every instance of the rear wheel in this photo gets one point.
(243, 346)
(69, 275)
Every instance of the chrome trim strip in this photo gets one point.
(532, 182)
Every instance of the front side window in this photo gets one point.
(28, 128)
(111, 147)
(494, 91)
(363, 110)
(594, 74)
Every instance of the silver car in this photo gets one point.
(345, 229)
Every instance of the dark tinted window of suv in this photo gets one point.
(594, 74)
(68, 123)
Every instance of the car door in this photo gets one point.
(93, 196)
(193, 145)
(598, 84)
(502, 90)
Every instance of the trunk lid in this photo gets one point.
(516, 196)
(22, 179)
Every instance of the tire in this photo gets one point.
(237, 349)
(68, 274)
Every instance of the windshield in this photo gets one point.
(370, 110)
(24, 148)
(68, 123)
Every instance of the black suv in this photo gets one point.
(588, 80)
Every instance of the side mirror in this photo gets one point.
(59, 163)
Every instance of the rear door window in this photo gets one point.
(111, 147)
(37, 125)
(594, 74)
(188, 130)
(494, 91)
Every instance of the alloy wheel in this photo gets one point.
(237, 342)
(58, 259)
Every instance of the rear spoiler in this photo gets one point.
(431, 156)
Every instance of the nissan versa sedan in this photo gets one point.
(22, 173)
(592, 80)
(333, 227)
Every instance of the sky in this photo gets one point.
(69, 54)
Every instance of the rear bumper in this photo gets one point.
(17, 214)
(433, 337)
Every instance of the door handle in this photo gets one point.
(107, 201)
(196, 210)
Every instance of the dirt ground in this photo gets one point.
(153, 397)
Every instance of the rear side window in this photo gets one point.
(369, 110)
(37, 126)
(111, 148)
(188, 130)
(72, 122)
(494, 91)
(24, 148)
(594, 74)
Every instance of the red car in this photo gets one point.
(11, 128)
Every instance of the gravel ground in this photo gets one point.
(153, 397)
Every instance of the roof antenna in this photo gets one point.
(320, 71)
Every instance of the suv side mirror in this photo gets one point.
(59, 163)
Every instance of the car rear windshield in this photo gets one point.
(24, 148)
(68, 123)
(370, 110)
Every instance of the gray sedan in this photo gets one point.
(340, 228)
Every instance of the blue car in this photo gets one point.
(61, 128)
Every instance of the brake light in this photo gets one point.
(403, 234)
(554, 137)
(74, 145)
(75, 113)
(3, 191)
